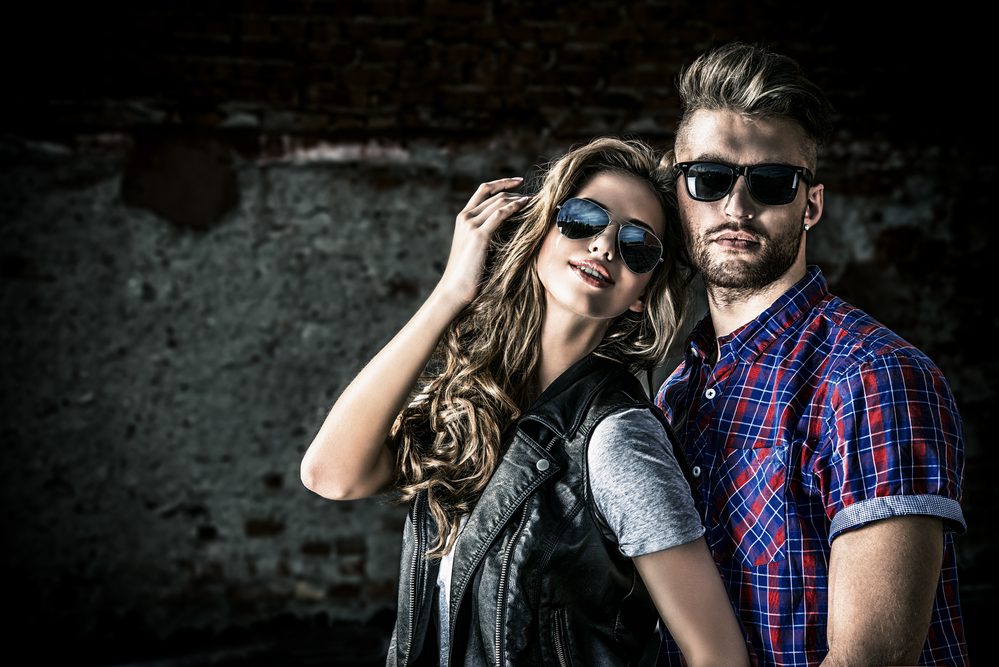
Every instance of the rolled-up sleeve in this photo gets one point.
(893, 444)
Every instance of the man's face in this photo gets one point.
(738, 242)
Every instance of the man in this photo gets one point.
(826, 451)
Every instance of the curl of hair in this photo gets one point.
(450, 436)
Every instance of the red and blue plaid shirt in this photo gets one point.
(815, 419)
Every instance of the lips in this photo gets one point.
(592, 273)
(736, 240)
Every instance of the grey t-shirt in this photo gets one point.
(638, 486)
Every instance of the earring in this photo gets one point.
(806, 226)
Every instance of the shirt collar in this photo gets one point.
(701, 339)
(749, 340)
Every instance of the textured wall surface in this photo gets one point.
(210, 219)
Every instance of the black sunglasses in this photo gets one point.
(640, 249)
(770, 184)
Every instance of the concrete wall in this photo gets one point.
(211, 218)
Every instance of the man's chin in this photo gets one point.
(731, 274)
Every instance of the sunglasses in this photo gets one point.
(770, 184)
(639, 248)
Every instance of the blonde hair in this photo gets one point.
(449, 437)
(754, 81)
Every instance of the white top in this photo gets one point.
(444, 597)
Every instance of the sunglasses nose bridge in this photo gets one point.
(737, 173)
(739, 194)
(610, 224)
(739, 202)
(604, 241)
(602, 230)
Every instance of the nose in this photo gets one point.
(740, 204)
(603, 243)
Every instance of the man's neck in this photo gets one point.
(729, 313)
(733, 308)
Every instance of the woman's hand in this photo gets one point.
(486, 210)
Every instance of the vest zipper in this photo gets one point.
(501, 593)
(415, 571)
(557, 633)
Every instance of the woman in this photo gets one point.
(549, 518)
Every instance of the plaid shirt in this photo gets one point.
(816, 419)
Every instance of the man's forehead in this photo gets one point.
(736, 138)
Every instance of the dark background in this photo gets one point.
(213, 213)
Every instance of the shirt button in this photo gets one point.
(696, 471)
(710, 393)
(542, 465)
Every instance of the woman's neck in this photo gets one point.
(564, 341)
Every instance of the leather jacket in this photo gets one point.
(537, 577)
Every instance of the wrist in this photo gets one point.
(453, 295)
(448, 300)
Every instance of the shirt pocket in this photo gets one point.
(750, 506)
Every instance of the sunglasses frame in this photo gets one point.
(800, 174)
(617, 237)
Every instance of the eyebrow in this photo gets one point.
(633, 221)
(715, 157)
(711, 157)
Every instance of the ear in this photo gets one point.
(813, 205)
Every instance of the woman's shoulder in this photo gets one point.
(627, 427)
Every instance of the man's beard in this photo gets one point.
(748, 276)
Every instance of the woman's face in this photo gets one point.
(566, 266)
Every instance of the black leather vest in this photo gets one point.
(537, 579)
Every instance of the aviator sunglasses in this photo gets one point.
(770, 184)
(639, 248)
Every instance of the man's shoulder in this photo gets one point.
(857, 338)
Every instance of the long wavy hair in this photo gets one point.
(449, 437)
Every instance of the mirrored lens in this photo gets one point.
(639, 248)
(773, 184)
(581, 219)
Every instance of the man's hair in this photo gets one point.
(752, 80)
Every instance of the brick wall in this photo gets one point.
(446, 67)
(214, 213)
